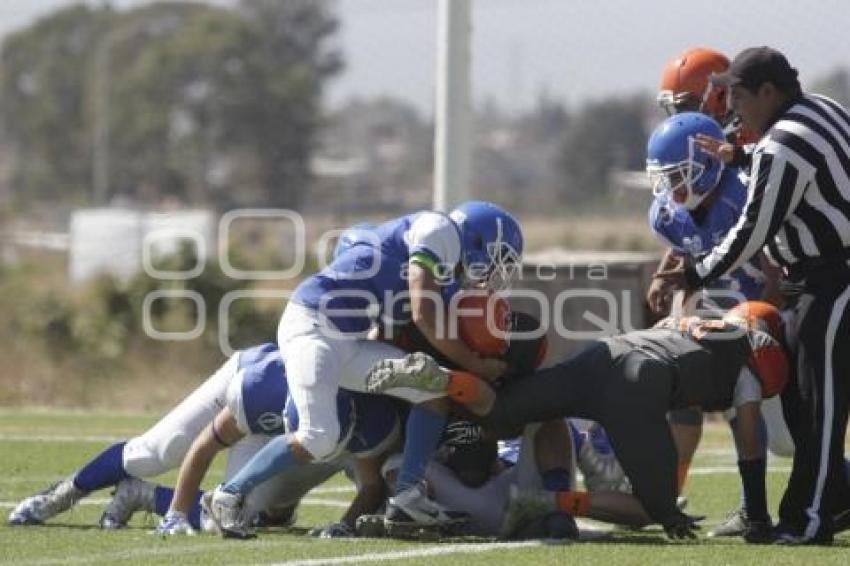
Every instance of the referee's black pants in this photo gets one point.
(625, 391)
(816, 406)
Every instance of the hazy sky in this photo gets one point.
(573, 49)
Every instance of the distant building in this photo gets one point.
(116, 241)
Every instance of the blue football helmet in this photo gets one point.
(355, 234)
(678, 168)
(491, 243)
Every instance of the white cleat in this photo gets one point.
(131, 495)
(411, 511)
(417, 371)
(175, 523)
(525, 506)
(601, 470)
(227, 512)
(38, 508)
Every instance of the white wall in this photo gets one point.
(112, 241)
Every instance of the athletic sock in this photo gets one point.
(274, 458)
(761, 449)
(463, 387)
(752, 476)
(104, 470)
(162, 497)
(422, 436)
(575, 503)
(557, 479)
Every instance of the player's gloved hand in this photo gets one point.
(759, 531)
(174, 523)
(681, 527)
(695, 520)
(334, 530)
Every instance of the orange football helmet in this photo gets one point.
(768, 360)
(759, 315)
(685, 84)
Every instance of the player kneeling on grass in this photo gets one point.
(628, 383)
(241, 406)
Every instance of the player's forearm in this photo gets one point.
(192, 471)
(426, 320)
(618, 508)
(367, 501)
(668, 261)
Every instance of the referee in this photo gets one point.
(799, 208)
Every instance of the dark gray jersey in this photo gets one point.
(706, 360)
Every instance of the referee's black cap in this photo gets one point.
(757, 65)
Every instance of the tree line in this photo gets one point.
(172, 99)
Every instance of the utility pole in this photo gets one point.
(453, 131)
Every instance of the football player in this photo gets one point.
(240, 407)
(686, 86)
(400, 271)
(697, 201)
(628, 383)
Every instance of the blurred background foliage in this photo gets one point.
(194, 100)
(88, 346)
(173, 105)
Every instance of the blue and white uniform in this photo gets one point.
(694, 234)
(253, 385)
(259, 399)
(325, 324)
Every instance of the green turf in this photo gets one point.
(67, 439)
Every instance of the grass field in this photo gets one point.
(38, 447)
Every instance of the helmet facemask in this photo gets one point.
(501, 267)
(683, 183)
(676, 102)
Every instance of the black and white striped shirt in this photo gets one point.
(799, 194)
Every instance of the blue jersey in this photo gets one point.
(262, 405)
(369, 277)
(509, 449)
(368, 424)
(263, 390)
(686, 235)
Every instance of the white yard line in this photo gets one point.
(312, 501)
(171, 549)
(440, 550)
(60, 438)
(711, 470)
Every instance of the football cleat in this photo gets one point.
(525, 507)
(57, 498)
(734, 525)
(174, 523)
(411, 512)
(131, 495)
(227, 512)
(417, 371)
(370, 526)
(599, 464)
(841, 520)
